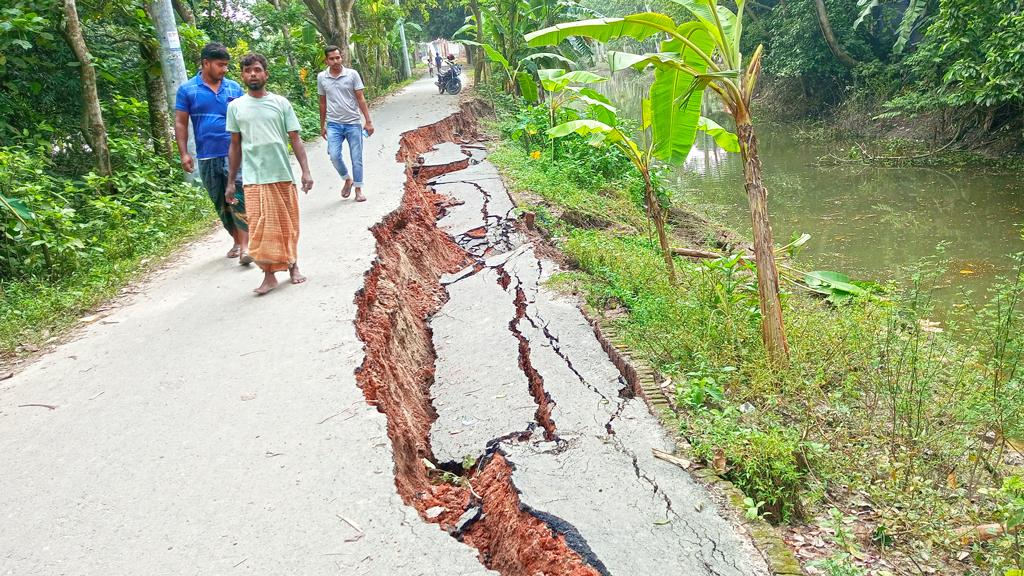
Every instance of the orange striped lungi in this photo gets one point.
(273, 214)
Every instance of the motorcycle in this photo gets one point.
(450, 81)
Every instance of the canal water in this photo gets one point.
(872, 223)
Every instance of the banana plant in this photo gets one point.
(559, 92)
(641, 152)
(16, 208)
(700, 54)
(519, 77)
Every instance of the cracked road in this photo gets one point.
(520, 372)
(199, 430)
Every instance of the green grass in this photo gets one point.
(596, 198)
(34, 309)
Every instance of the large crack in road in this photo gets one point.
(474, 362)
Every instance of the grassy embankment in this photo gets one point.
(884, 435)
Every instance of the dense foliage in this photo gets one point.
(962, 57)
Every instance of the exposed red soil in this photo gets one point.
(477, 233)
(504, 538)
(426, 173)
(543, 414)
(401, 292)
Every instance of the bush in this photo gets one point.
(761, 461)
(83, 236)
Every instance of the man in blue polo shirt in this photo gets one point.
(204, 99)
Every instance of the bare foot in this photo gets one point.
(235, 250)
(347, 188)
(245, 259)
(359, 195)
(297, 277)
(269, 283)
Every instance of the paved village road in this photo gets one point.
(194, 433)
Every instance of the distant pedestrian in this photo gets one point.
(341, 102)
(262, 125)
(430, 65)
(437, 63)
(204, 100)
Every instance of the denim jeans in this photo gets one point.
(353, 134)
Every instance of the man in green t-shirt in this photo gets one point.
(261, 126)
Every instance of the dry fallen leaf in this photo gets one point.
(718, 463)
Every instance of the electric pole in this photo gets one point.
(171, 60)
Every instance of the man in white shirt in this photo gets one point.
(341, 101)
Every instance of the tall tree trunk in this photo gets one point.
(184, 12)
(772, 330)
(657, 215)
(156, 100)
(830, 37)
(94, 129)
(478, 66)
(333, 19)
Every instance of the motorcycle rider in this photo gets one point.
(442, 79)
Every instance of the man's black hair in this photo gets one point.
(250, 59)
(330, 48)
(214, 51)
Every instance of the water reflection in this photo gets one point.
(870, 222)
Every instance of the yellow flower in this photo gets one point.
(303, 73)
(535, 154)
(531, 131)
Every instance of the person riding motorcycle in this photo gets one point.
(453, 68)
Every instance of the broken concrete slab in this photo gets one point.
(476, 153)
(479, 392)
(619, 510)
(442, 154)
(466, 216)
(478, 219)
(597, 481)
(475, 173)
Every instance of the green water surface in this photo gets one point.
(870, 222)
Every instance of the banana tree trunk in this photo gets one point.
(94, 129)
(772, 330)
(657, 215)
(478, 65)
